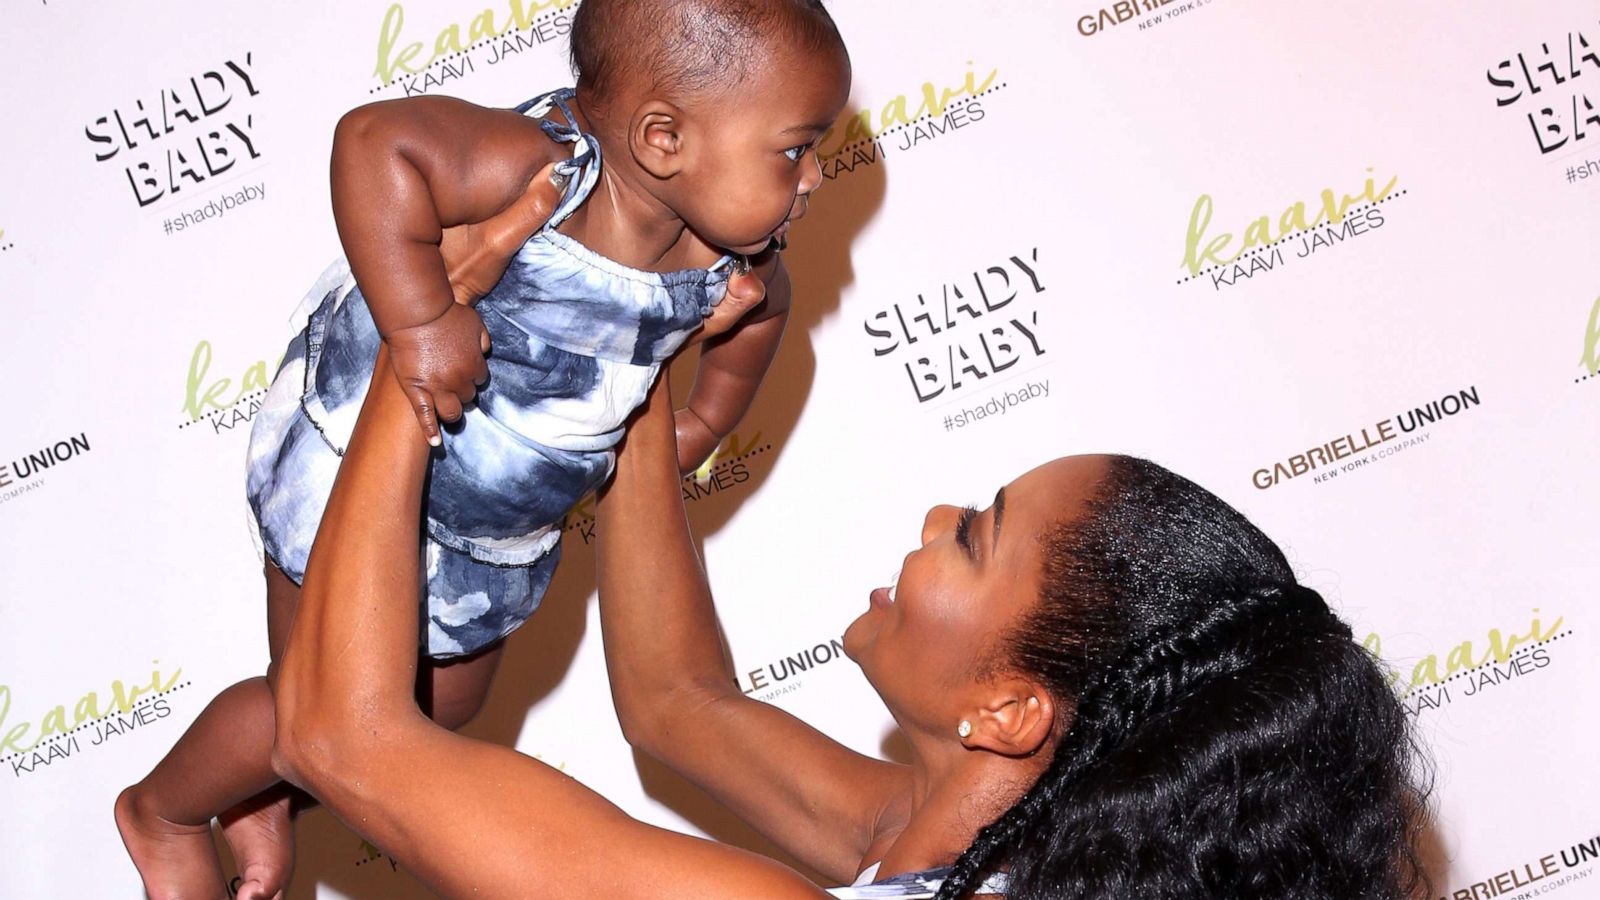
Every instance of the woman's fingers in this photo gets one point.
(512, 227)
(476, 254)
(746, 290)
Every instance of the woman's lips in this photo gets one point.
(884, 596)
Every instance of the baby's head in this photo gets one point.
(716, 106)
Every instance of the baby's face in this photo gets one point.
(755, 162)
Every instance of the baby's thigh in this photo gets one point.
(283, 598)
(451, 691)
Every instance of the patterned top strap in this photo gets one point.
(583, 169)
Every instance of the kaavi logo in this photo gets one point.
(36, 745)
(918, 118)
(487, 39)
(4, 243)
(185, 135)
(1591, 344)
(220, 402)
(371, 853)
(782, 675)
(1549, 873)
(728, 468)
(1565, 114)
(1467, 671)
(25, 473)
(1386, 438)
(976, 326)
(1109, 17)
(1338, 218)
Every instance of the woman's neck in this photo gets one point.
(623, 221)
(955, 792)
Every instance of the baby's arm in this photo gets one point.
(402, 172)
(731, 368)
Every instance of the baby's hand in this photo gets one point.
(440, 365)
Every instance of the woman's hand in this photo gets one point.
(747, 288)
(476, 255)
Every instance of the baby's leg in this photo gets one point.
(224, 759)
(260, 831)
(222, 766)
(451, 691)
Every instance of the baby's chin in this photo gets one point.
(767, 243)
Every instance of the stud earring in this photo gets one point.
(964, 730)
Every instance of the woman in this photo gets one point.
(1109, 680)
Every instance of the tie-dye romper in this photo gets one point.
(578, 340)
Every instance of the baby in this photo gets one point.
(689, 142)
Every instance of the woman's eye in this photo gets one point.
(794, 153)
(964, 530)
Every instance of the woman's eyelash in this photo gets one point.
(964, 528)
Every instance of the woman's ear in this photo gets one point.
(655, 138)
(1015, 719)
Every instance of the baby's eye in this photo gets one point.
(794, 153)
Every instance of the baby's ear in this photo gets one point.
(656, 138)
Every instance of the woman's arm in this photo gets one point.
(674, 688)
(469, 818)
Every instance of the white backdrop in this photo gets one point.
(1048, 229)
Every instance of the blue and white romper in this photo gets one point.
(578, 340)
(922, 885)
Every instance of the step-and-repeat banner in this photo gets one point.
(1335, 261)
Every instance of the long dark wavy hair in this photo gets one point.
(1230, 738)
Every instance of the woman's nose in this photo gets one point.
(939, 520)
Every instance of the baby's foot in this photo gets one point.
(261, 834)
(177, 862)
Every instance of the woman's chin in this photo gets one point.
(856, 637)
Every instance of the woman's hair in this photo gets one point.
(1230, 739)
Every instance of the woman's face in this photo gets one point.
(937, 632)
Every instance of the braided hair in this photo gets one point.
(1230, 738)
